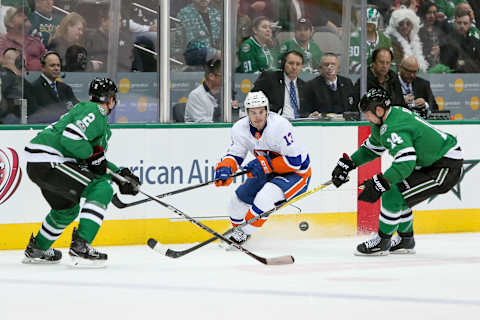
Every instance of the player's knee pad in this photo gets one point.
(237, 209)
(65, 216)
(268, 196)
(101, 191)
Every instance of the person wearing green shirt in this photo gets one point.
(426, 162)
(255, 54)
(67, 162)
(375, 39)
(303, 43)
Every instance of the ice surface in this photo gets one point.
(441, 281)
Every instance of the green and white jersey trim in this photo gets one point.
(74, 133)
(407, 154)
(41, 153)
(71, 173)
(379, 150)
(92, 212)
(394, 218)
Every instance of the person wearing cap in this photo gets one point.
(17, 36)
(303, 43)
(375, 39)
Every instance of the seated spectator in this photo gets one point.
(403, 30)
(44, 21)
(97, 44)
(254, 54)
(76, 59)
(244, 25)
(258, 8)
(330, 92)
(446, 8)
(416, 91)
(303, 43)
(375, 39)
(284, 89)
(53, 98)
(290, 11)
(473, 31)
(198, 36)
(13, 86)
(17, 36)
(461, 51)
(69, 33)
(379, 75)
(204, 102)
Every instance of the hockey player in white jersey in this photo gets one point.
(280, 171)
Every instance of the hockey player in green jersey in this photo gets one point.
(426, 162)
(67, 161)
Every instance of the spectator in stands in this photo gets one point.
(375, 39)
(473, 31)
(431, 33)
(17, 36)
(379, 75)
(416, 91)
(312, 55)
(204, 102)
(244, 26)
(403, 30)
(44, 21)
(97, 44)
(461, 51)
(254, 54)
(70, 32)
(76, 59)
(13, 86)
(53, 98)
(446, 8)
(284, 89)
(330, 92)
(198, 36)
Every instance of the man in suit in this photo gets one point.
(284, 89)
(416, 91)
(329, 92)
(380, 76)
(53, 98)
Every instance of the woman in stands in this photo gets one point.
(255, 54)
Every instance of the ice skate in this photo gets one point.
(35, 255)
(376, 246)
(84, 255)
(238, 237)
(403, 245)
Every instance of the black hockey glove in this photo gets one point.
(130, 187)
(340, 173)
(373, 188)
(97, 163)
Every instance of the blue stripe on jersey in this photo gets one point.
(256, 210)
(305, 163)
(294, 161)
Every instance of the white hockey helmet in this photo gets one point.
(256, 99)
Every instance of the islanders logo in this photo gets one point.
(10, 173)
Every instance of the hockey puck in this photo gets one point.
(303, 226)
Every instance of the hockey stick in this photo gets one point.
(268, 261)
(157, 246)
(119, 204)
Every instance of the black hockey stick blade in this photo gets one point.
(160, 248)
(121, 205)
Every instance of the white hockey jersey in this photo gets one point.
(276, 140)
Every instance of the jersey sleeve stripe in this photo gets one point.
(74, 130)
(407, 154)
(375, 149)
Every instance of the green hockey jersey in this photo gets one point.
(383, 41)
(311, 57)
(410, 140)
(73, 136)
(254, 58)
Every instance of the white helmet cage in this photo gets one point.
(256, 99)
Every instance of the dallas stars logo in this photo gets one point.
(457, 190)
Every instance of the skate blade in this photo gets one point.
(403, 251)
(81, 263)
(27, 260)
(378, 253)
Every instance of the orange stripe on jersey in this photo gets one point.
(257, 223)
(280, 166)
(297, 187)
